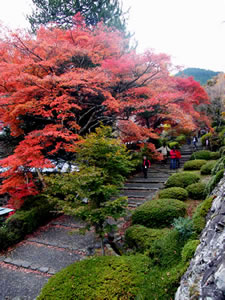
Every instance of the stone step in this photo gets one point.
(65, 238)
(19, 283)
(41, 258)
(147, 181)
(140, 187)
(68, 221)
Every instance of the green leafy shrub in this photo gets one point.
(200, 214)
(204, 154)
(206, 169)
(182, 179)
(158, 213)
(174, 193)
(166, 251)
(106, 277)
(181, 139)
(194, 164)
(222, 151)
(184, 226)
(215, 179)
(220, 164)
(196, 191)
(189, 250)
(141, 237)
(174, 144)
(205, 136)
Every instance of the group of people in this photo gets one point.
(173, 153)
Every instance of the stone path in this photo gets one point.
(25, 268)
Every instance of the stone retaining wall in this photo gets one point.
(205, 277)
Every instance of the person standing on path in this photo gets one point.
(178, 157)
(164, 150)
(195, 140)
(145, 165)
(173, 159)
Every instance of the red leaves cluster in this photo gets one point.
(62, 83)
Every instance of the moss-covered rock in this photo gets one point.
(182, 179)
(200, 214)
(215, 179)
(101, 278)
(189, 250)
(140, 237)
(158, 213)
(194, 164)
(174, 193)
(206, 169)
(196, 191)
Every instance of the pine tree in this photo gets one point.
(62, 11)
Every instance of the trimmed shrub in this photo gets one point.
(222, 151)
(141, 237)
(205, 154)
(194, 164)
(206, 169)
(205, 136)
(182, 179)
(184, 226)
(174, 193)
(196, 191)
(173, 144)
(181, 139)
(189, 250)
(215, 179)
(200, 214)
(158, 213)
(106, 277)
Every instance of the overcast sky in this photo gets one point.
(191, 31)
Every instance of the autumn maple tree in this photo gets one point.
(61, 84)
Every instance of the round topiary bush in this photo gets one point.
(196, 191)
(194, 164)
(207, 168)
(182, 179)
(106, 277)
(141, 237)
(205, 154)
(158, 213)
(189, 250)
(174, 193)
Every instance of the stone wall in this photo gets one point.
(205, 277)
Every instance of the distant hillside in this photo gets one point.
(200, 75)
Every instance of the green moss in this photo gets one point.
(214, 181)
(200, 214)
(99, 278)
(158, 213)
(189, 250)
(194, 164)
(196, 191)
(206, 169)
(174, 193)
(182, 179)
(140, 237)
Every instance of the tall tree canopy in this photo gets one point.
(61, 12)
(62, 84)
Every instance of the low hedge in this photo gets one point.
(106, 277)
(200, 214)
(182, 179)
(174, 193)
(25, 222)
(205, 154)
(140, 237)
(206, 169)
(194, 164)
(158, 213)
(196, 191)
(215, 179)
(189, 250)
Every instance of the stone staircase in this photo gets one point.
(25, 268)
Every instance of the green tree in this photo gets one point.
(62, 11)
(90, 194)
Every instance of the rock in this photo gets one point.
(220, 278)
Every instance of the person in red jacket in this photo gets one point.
(145, 165)
(173, 156)
(178, 157)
